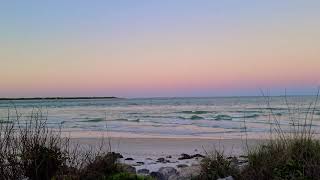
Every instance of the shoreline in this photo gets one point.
(56, 98)
(156, 145)
(79, 133)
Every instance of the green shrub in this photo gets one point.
(32, 150)
(216, 166)
(41, 163)
(293, 159)
(101, 167)
(293, 153)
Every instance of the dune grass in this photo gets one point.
(215, 165)
(31, 150)
(294, 159)
(291, 154)
(288, 154)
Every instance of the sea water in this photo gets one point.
(220, 117)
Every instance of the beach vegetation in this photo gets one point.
(215, 165)
(29, 149)
(292, 153)
(295, 159)
(289, 153)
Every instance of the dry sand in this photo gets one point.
(148, 150)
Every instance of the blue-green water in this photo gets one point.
(219, 117)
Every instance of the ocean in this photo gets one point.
(217, 117)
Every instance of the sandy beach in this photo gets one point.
(145, 152)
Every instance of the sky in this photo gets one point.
(158, 48)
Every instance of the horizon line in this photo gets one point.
(157, 97)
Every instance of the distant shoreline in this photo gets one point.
(56, 98)
(113, 97)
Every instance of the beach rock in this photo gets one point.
(129, 159)
(139, 162)
(168, 172)
(143, 171)
(116, 155)
(150, 163)
(128, 168)
(184, 156)
(163, 160)
(157, 176)
(182, 165)
(226, 178)
(169, 157)
(189, 172)
(175, 177)
(172, 161)
(197, 156)
(148, 159)
(119, 155)
(136, 164)
(160, 160)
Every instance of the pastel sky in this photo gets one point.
(144, 48)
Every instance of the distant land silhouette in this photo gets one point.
(57, 98)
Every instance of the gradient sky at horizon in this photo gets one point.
(149, 48)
